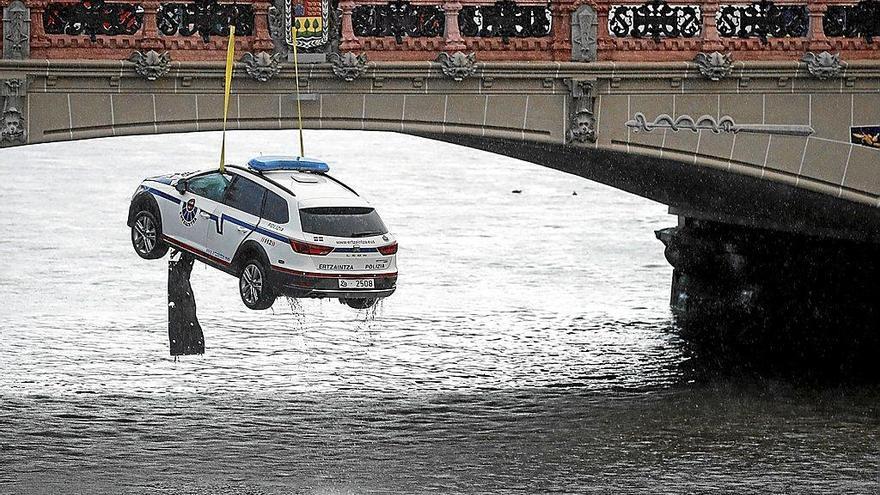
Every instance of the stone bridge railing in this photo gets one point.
(519, 30)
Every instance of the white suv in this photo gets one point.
(282, 225)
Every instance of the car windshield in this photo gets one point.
(342, 221)
(212, 186)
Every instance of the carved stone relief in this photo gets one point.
(348, 66)
(13, 127)
(458, 66)
(584, 32)
(16, 31)
(262, 66)
(822, 65)
(151, 65)
(725, 124)
(714, 66)
(582, 121)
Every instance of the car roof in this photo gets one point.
(313, 189)
(309, 189)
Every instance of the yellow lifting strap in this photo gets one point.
(230, 61)
(296, 76)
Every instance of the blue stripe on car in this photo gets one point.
(223, 217)
(161, 194)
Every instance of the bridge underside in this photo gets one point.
(699, 192)
(770, 149)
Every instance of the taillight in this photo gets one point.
(389, 249)
(310, 249)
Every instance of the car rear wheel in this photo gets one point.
(254, 287)
(146, 236)
(360, 303)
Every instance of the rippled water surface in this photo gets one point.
(529, 346)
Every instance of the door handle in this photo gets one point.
(243, 230)
(204, 214)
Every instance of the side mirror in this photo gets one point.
(180, 186)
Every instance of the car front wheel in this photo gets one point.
(254, 287)
(146, 236)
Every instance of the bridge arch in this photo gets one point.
(775, 154)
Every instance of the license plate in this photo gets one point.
(358, 283)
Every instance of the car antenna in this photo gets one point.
(230, 61)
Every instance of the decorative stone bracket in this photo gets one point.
(13, 127)
(262, 66)
(458, 66)
(823, 65)
(348, 66)
(151, 65)
(582, 121)
(714, 66)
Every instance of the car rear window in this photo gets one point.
(342, 221)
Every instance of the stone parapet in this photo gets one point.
(525, 30)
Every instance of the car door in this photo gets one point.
(237, 216)
(193, 218)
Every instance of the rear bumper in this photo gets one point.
(302, 284)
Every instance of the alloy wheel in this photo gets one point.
(144, 234)
(251, 284)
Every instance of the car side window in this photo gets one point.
(245, 195)
(275, 209)
(212, 186)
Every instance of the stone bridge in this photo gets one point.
(741, 115)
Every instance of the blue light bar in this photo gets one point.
(300, 164)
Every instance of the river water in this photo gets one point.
(529, 347)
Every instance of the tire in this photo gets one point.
(146, 236)
(360, 303)
(254, 286)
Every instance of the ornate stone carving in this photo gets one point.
(151, 65)
(13, 127)
(16, 31)
(714, 66)
(262, 66)
(823, 65)
(458, 65)
(348, 66)
(710, 123)
(584, 32)
(277, 28)
(582, 121)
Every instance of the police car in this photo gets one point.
(282, 225)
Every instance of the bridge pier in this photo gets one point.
(773, 300)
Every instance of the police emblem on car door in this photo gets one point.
(195, 218)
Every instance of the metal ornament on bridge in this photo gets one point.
(204, 17)
(93, 18)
